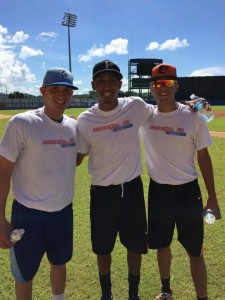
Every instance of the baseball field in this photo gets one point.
(82, 270)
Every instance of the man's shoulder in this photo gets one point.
(139, 104)
(132, 99)
(185, 109)
(85, 116)
(24, 116)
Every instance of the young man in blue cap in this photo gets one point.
(38, 151)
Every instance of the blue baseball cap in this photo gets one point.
(59, 76)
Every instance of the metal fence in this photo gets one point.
(36, 102)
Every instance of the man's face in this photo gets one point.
(57, 97)
(164, 90)
(106, 86)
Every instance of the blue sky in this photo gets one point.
(188, 34)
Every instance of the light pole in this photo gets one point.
(69, 20)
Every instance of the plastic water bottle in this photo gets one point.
(210, 217)
(200, 106)
(16, 235)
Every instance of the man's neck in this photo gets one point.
(167, 107)
(55, 116)
(104, 106)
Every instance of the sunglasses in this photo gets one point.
(167, 83)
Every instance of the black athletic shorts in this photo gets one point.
(175, 205)
(118, 209)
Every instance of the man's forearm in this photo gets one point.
(6, 168)
(206, 168)
(4, 191)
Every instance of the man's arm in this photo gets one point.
(206, 168)
(191, 103)
(6, 168)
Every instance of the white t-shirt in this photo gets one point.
(112, 140)
(170, 144)
(44, 153)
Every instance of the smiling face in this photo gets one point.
(107, 86)
(164, 92)
(56, 98)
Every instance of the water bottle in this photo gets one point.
(210, 217)
(200, 106)
(16, 235)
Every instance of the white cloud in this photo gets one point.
(3, 30)
(117, 46)
(46, 36)
(19, 37)
(27, 52)
(213, 71)
(153, 46)
(77, 82)
(83, 91)
(13, 71)
(172, 44)
(124, 87)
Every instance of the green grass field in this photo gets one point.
(82, 270)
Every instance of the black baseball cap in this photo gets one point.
(107, 66)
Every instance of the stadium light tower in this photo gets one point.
(69, 20)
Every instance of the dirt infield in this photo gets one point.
(217, 133)
(217, 113)
(5, 116)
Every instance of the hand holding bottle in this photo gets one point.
(210, 217)
(16, 235)
(202, 108)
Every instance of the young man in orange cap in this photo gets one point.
(171, 139)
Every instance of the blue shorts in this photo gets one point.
(175, 205)
(45, 232)
(118, 209)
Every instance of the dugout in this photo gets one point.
(139, 74)
(208, 87)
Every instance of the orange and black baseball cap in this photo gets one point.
(164, 71)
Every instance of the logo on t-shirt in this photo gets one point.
(114, 127)
(62, 143)
(169, 130)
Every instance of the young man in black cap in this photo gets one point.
(38, 151)
(172, 138)
(110, 136)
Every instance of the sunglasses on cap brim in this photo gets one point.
(166, 82)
